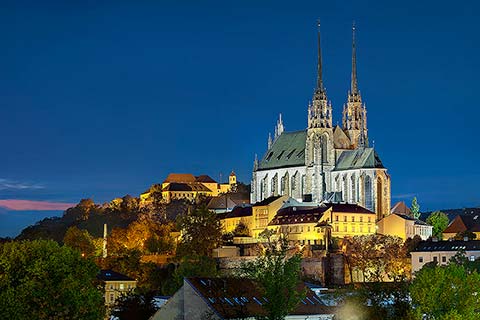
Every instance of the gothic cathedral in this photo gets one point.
(325, 163)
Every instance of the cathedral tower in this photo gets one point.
(354, 111)
(319, 153)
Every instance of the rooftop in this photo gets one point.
(288, 150)
(110, 275)
(428, 246)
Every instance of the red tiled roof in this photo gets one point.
(463, 223)
(239, 298)
(180, 177)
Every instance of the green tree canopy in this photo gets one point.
(439, 221)
(43, 280)
(80, 240)
(278, 272)
(201, 233)
(446, 292)
(415, 208)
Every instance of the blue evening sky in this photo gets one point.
(103, 98)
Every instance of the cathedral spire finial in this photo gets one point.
(354, 85)
(319, 63)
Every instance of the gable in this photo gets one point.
(340, 139)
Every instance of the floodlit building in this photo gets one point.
(442, 251)
(325, 161)
(115, 284)
(404, 226)
(462, 224)
(229, 298)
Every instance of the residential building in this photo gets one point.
(442, 251)
(239, 215)
(115, 284)
(403, 226)
(233, 298)
(309, 225)
(461, 224)
(324, 160)
(227, 201)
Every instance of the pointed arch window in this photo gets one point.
(368, 193)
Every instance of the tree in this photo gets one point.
(377, 257)
(80, 240)
(42, 280)
(415, 208)
(241, 230)
(446, 292)
(201, 233)
(439, 221)
(277, 271)
(133, 306)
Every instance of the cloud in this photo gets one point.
(21, 205)
(6, 184)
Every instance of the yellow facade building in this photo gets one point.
(404, 226)
(115, 285)
(186, 186)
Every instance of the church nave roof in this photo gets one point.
(360, 158)
(288, 150)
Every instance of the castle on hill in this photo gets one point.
(325, 163)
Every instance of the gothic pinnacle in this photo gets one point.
(319, 62)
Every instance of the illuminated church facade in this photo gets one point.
(325, 163)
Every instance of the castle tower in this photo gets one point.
(354, 111)
(319, 151)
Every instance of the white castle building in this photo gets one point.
(325, 162)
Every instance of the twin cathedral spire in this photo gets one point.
(354, 111)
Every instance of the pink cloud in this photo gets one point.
(19, 205)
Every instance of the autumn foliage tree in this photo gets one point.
(378, 257)
(80, 240)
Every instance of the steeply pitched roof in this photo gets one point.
(233, 298)
(463, 223)
(288, 150)
(358, 159)
(401, 208)
(110, 275)
(428, 246)
(180, 177)
(340, 139)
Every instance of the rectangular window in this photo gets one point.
(472, 258)
(345, 228)
(369, 219)
(112, 297)
(353, 228)
(444, 259)
(308, 228)
(353, 218)
(344, 218)
(361, 219)
(122, 286)
(361, 229)
(336, 228)
(420, 259)
(435, 259)
(336, 217)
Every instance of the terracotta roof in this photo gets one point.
(428, 246)
(180, 177)
(401, 208)
(233, 298)
(110, 275)
(463, 223)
